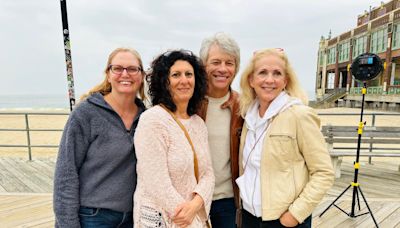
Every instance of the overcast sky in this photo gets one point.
(32, 57)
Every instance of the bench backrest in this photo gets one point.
(351, 131)
(372, 135)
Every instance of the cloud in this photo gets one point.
(32, 55)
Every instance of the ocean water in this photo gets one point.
(34, 102)
(47, 102)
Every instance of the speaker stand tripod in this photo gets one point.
(355, 184)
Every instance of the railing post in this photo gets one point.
(370, 144)
(28, 136)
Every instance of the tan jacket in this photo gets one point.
(235, 130)
(296, 169)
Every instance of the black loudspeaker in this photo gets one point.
(366, 67)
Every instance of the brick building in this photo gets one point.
(377, 31)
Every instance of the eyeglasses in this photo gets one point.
(131, 70)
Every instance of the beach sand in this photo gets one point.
(36, 137)
(58, 122)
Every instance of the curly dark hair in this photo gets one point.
(159, 81)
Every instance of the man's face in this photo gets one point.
(221, 70)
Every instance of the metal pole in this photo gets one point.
(356, 163)
(371, 144)
(28, 136)
(68, 59)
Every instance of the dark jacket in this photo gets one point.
(96, 163)
(235, 130)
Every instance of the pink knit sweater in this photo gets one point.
(165, 168)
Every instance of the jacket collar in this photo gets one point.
(233, 97)
(279, 104)
(98, 99)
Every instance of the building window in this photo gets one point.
(321, 58)
(379, 41)
(331, 81)
(396, 36)
(331, 55)
(360, 46)
(344, 50)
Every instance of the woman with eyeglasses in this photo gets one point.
(95, 175)
(175, 176)
(285, 169)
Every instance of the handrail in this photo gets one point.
(31, 144)
(332, 96)
(28, 130)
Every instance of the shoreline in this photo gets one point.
(15, 119)
(35, 110)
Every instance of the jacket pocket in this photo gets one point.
(283, 145)
(282, 189)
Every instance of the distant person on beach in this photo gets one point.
(95, 175)
(285, 168)
(175, 176)
(220, 110)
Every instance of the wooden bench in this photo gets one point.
(375, 142)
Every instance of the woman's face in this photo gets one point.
(181, 82)
(269, 78)
(125, 74)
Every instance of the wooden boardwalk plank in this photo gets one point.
(333, 216)
(363, 219)
(20, 175)
(22, 206)
(381, 214)
(386, 212)
(44, 181)
(26, 211)
(393, 220)
(23, 175)
(9, 181)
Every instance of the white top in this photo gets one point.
(249, 183)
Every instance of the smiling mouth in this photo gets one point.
(184, 89)
(126, 83)
(268, 88)
(221, 77)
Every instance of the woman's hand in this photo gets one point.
(185, 212)
(288, 220)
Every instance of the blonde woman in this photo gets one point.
(285, 169)
(95, 175)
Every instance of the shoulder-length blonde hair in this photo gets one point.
(292, 87)
(105, 87)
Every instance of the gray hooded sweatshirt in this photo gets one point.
(96, 163)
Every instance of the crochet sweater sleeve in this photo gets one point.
(151, 144)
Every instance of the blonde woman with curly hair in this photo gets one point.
(285, 168)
